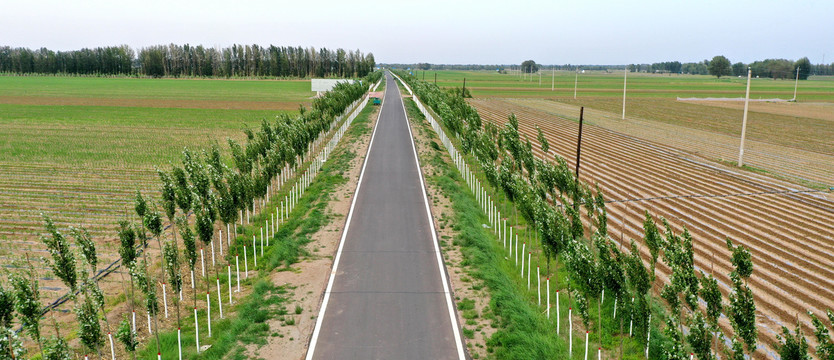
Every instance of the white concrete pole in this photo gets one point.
(796, 84)
(744, 120)
(625, 81)
(575, 84)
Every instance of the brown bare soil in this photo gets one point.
(308, 278)
(712, 142)
(809, 134)
(821, 111)
(152, 103)
(789, 235)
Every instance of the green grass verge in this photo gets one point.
(523, 329)
(246, 320)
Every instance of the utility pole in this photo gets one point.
(578, 153)
(625, 79)
(579, 140)
(463, 92)
(435, 78)
(575, 83)
(796, 84)
(744, 119)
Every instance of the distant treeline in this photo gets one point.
(769, 68)
(497, 67)
(192, 61)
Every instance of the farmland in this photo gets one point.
(605, 84)
(788, 140)
(671, 158)
(78, 148)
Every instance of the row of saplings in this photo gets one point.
(205, 187)
(550, 198)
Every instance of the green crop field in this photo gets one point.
(77, 148)
(789, 139)
(602, 84)
(169, 89)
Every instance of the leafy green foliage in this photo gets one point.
(719, 66)
(6, 307)
(651, 235)
(700, 337)
(11, 346)
(172, 265)
(825, 348)
(127, 242)
(542, 140)
(89, 328)
(56, 348)
(153, 222)
(87, 245)
(736, 350)
(188, 240)
(712, 296)
(792, 346)
(742, 259)
(169, 195)
(674, 348)
(27, 301)
(126, 336)
(582, 307)
(742, 312)
(63, 258)
(529, 66)
(147, 286)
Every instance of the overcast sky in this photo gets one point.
(444, 31)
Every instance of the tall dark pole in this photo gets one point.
(578, 152)
(463, 92)
(579, 141)
(435, 78)
(424, 75)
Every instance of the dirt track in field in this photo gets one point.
(151, 103)
(790, 236)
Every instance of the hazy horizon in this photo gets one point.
(467, 32)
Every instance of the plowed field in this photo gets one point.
(788, 230)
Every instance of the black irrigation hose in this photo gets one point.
(112, 267)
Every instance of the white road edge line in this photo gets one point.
(312, 348)
(449, 304)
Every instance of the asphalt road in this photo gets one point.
(388, 299)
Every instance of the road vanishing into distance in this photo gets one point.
(388, 296)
